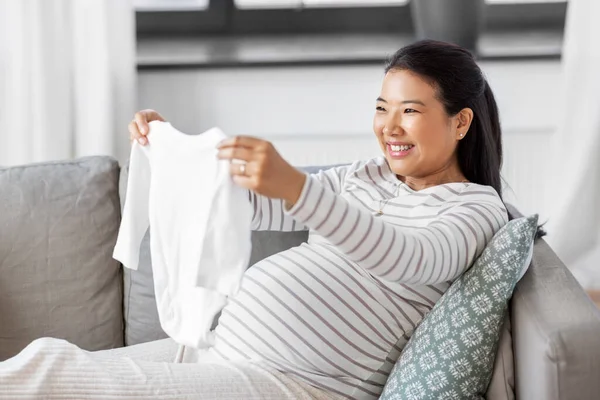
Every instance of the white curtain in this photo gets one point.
(68, 75)
(574, 226)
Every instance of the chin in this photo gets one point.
(399, 167)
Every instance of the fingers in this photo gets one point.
(138, 127)
(244, 175)
(241, 169)
(244, 148)
(243, 141)
(236, 153)
(247, 182)
(134, 133)
(152, 115)
(141, 122)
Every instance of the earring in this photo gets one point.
(461, 135)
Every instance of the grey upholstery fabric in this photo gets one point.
(267, 243)
(502, 385)
(556, 333)
(141, 314)
(58, 226)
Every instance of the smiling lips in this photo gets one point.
(399, 150)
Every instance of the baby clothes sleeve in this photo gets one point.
(135, 219)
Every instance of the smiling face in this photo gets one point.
(416, 134)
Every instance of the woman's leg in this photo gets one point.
(164, 350)
(56, 369)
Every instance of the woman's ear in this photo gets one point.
(464, 119)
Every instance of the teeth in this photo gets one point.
(400, 148)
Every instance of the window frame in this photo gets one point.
(163, 5)
(223, 18)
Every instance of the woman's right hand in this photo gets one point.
(138, 127)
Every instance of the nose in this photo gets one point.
(392, 130)
(393, 125)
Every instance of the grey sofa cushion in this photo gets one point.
(58, 226)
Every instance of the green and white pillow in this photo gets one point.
(451, 354)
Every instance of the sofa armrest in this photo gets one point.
(556, 331)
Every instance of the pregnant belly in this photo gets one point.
(301, 313)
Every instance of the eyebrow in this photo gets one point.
(404, 102)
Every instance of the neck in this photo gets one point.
(446, 175)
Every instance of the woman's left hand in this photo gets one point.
(265, 171)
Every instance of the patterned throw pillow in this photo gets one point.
(451, 354)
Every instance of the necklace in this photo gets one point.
(382, 204)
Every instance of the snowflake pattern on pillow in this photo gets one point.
(451, 354)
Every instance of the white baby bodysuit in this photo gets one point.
(200, 228)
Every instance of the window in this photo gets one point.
(179, 5)
(353, 3)
(256, 4)
(170, 5)
(263, 17)
(523, 1)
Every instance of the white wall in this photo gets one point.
(322, 115)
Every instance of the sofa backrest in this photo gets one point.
(556, 333)
(58, 226)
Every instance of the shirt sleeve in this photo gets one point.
(437, 253)
(269, 214)
(135, 219)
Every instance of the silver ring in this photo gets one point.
(242, 169)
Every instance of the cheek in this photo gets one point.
(435, 143)
(421, 131)
(428, 130)
(378, 125)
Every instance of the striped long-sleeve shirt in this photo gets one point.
(337, 311)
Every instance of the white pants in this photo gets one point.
(56, 369)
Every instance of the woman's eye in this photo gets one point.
(409, 111)
(379, 108)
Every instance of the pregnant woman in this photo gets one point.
(387, 237)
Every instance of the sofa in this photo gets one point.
(58, 226)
